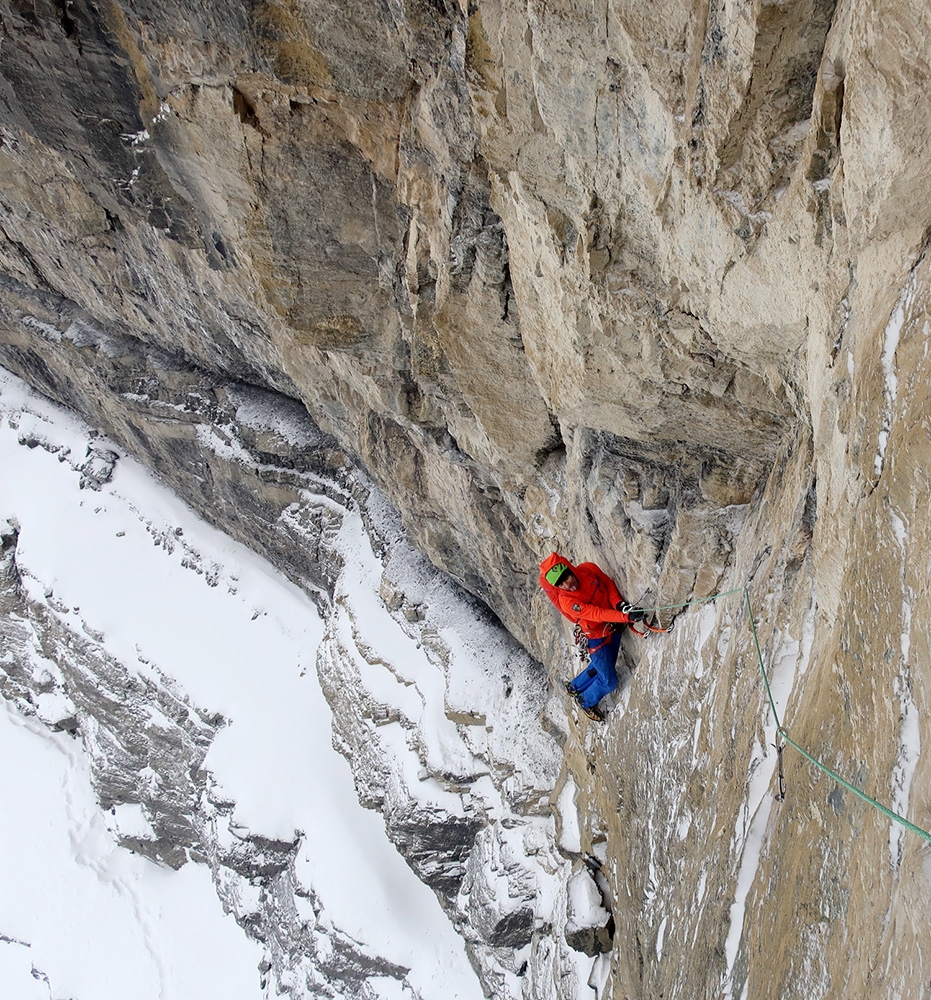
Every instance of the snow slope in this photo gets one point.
(168, 595)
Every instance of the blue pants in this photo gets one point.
(600, 676)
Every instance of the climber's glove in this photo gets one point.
(633, 614)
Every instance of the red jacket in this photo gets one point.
(593, 605)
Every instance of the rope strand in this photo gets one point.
(885, 810)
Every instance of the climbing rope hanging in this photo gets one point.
(780, 730)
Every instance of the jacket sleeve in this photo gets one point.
(613, 592)
(588, 612)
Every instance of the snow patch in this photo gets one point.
(261, 411)
(53, 707)
(706, 623)
(45, 330)
(129, 820)
(891, 338)
(749, 838)
(585, 907)
(570, 839)
(660, 937)
(598, 978)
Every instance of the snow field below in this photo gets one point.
(81, 917)
(170, 595)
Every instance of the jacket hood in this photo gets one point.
(548, 563)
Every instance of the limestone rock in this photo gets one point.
(647, 283)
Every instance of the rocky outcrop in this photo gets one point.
(649, 284)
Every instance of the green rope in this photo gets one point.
(779, 729)
(759, 656)
(700, 600)
(856, 791)
(841, 781)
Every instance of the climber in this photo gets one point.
(589, 598)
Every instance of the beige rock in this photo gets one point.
(646, 283)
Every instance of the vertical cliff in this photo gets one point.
(647, 283)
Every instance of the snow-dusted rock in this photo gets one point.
(435, 707)
(589, 926)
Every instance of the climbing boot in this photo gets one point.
(594, 713)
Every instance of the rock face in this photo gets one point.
(644, 282)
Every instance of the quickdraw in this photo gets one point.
(648, 627)
(581, 641)
(780, 746)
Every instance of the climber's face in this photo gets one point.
(569, 582)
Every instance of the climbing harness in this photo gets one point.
(581, 639)
(781, 734)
